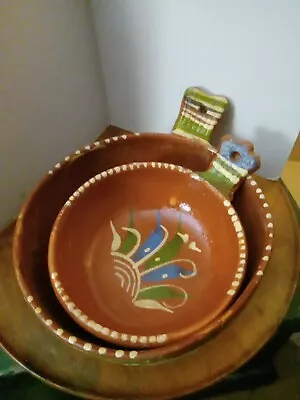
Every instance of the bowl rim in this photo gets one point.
(134, 340)
(131, 357)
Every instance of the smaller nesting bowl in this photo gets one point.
(145, 254)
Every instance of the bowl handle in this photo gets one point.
(231, 165)
(199, 114)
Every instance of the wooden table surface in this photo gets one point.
(86, 375)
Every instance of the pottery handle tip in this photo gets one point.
(240, 153)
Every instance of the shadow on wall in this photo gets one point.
(128, 52)
(273, 144)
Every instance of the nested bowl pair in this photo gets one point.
(160, 264)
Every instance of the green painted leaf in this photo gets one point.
(151, 304)
(160, 293)
(128, 243)
(130, 239)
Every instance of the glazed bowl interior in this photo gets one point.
(149, 251)
(34, 225)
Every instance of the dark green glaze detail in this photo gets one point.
(27, 387)
(193, 128)
(130, 240)
(230, 167)
(8, 367)
(218, 181)
(160, 293)
(166, 254)
(131, 218)
(225, 176)
(128, 243)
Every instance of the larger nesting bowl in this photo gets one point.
(39, 213)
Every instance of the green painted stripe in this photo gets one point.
(217, 180)
(228, 166)
(241, 171)
(199, 96)
(160, 293)
(238, 171)
(214, 108)
(194, 128)
(233, 178)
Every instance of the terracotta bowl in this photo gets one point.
(145, 254)
(36, 219)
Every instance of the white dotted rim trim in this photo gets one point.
(103, 351)
(269, 225)
(73, 340)
(103, 331)
(86, 149)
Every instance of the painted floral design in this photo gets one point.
(147, 269)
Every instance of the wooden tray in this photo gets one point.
(83, 374)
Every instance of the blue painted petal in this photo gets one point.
(171, 271)
(152, 242)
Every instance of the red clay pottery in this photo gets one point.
(86, 374)
(145, 254)
(38, 215)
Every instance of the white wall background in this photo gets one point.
(51, 92)
(151, 50)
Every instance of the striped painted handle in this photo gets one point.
(199, 114)
(231, 165)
